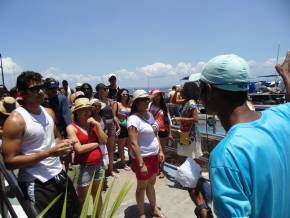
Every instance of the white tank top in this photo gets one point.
(38, 136)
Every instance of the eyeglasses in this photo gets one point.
(36, 88)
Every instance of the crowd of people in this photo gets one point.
(46, 128)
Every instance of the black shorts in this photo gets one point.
(123, 132)
(163, 134)
(42, 194)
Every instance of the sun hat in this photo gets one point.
(101, 86)
(95, 100)
(81, 103)
(139, 93)
(7, 105)
(78, 85)
(227, 72)
(156, 91)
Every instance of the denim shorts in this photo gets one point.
(87, 171)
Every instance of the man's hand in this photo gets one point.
(284, 71)
(63, 148)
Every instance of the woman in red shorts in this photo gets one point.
(146, 151)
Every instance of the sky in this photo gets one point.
(149, 43)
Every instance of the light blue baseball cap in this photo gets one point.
(227, 72)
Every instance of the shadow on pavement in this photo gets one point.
(132, 211)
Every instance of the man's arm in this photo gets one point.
(284, 71)
(65, 111)
(13, 132)
(229, 198)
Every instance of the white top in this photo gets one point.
(147, 140)
(38, 136)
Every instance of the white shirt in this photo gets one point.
(147, 140)
(38, 136)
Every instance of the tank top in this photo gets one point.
(38, 136)
(159, 116)
(92, 157)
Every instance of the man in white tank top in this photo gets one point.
(29, 145)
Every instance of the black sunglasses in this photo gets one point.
(36, 88)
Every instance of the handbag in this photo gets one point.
(185, 138)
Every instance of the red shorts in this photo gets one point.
(152, 164)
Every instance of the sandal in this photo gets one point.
(127, 168)
(161, 175)
(157, 213)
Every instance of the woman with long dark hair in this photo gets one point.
(189, 142)
(121, 110)
(160, 113)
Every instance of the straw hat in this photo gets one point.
(140, 93)
(7, 105)
(81, 103)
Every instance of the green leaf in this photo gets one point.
(119, 199)
(63, 213)
(44, 211)
(107, 197)
(97, 197)
(86, 204)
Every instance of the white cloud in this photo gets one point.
(156, 69)
(156, 74)
(10, 67)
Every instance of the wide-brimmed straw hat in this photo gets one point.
(140, 93)
(7, 105)
(81, 103)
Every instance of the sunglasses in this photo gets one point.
(36, 88)
(125, 94)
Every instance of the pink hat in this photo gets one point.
(156, 91)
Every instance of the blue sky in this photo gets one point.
(149, 42)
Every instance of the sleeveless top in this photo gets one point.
(122, 116)
(38, 136)
(91, 157)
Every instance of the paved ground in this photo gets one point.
(174, 201)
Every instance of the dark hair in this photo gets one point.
(13, 92)
(24, 79)
(134, 107)
(85, 91)
(236, 98)
(163, 107)
(191, 90)
(173, 88)
(119, 95)
(64, 82)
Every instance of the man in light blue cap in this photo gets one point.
(250, 167)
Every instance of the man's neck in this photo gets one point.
(32, 108)
(230, 116)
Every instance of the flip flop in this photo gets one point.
(127, 168)
(159, 214)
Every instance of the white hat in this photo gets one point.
(140, 93)
(95, 100)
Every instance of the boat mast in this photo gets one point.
(1, 66)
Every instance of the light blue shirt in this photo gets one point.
(250, 168)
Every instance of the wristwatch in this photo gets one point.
(141, 165)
